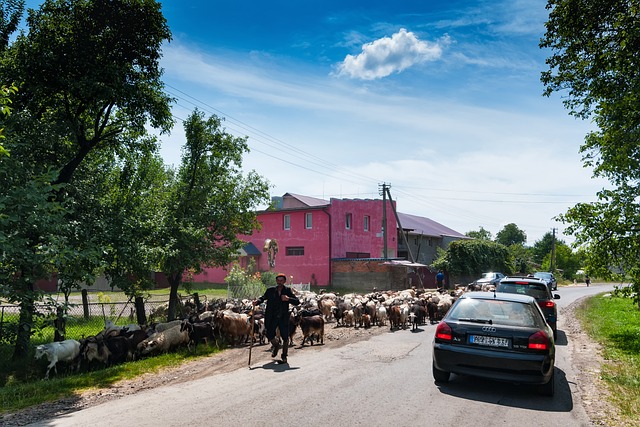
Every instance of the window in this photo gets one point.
(286, 224)
(347, 221)
(366, 223)
(295, 250)
(358, 255)
(308, 217)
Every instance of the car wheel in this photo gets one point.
(440, 376)
(549, 388)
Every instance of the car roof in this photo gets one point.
(499, 296)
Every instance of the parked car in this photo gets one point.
(491, 278)
(538, 289)
(500, 336)
(552, 283)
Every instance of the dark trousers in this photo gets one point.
(283, 325)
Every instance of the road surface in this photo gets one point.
(384, 381)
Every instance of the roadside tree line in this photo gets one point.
(84, 190)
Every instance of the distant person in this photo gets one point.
(587, 280)
(440, 279)
(276, 315)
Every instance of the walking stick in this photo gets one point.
(253, 325)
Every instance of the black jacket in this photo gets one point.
(276, 308)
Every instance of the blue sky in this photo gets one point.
(440, 99)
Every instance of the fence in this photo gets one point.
(252, 292)
(81, 319)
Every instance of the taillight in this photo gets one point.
(443, 331)
(546, 304)
(539, 341)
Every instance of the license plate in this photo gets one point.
(489, 341)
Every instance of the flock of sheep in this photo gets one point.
(229, 321)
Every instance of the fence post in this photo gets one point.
(85, 304)
(140, 313)
(59, 325)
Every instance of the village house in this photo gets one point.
(341, 242)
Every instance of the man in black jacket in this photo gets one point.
(276, 315)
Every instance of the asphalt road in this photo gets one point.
(384, 381)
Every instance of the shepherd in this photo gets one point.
(276, 315)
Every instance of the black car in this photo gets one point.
(495, 335)
(552, 283)
(538, 289)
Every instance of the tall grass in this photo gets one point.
(615, 323)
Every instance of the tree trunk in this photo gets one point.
(25, 323)
(174, 281)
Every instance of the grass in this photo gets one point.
(615, 324)
(17, 395)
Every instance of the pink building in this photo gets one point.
(310, 232)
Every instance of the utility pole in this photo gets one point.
(553, 252)
(384, 189)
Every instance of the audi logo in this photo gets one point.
(488, 329)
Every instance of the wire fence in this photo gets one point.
(80, 320)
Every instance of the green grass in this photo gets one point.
(615, 324)
(17, 394)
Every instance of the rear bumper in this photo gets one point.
(494, 364)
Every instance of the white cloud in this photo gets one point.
(389, 55)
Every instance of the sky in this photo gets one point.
(442, 100)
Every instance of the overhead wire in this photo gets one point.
(243, 129)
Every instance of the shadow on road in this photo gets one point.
(273, 366)
(508, 394)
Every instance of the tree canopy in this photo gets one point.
(594, 47)
(473, 257)
(480, 234)
(88, 80)
(511, 235)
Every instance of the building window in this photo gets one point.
(308, 217)
(286, 223)
(358, 255)
(347, 221)
(366, 223)
(295, 250)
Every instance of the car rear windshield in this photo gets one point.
(536, 290)
(495, 312)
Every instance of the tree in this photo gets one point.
(542, 247)
(481, 234)
(131, 214)
(511, 235)
(10, 14)
(101, 75)
(210, 205)
(89, 83)
(593, 62)
(473, 257)
(566, 260)
(522, 258)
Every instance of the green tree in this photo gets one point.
(522, 258)
(101, 76)
(543, 247)
(566, 260)
(593, 63)
(211, 203)
(89, 83)
(131, 213)
(10, 14)
(473, 257)
(481, 234)
(511, 235)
